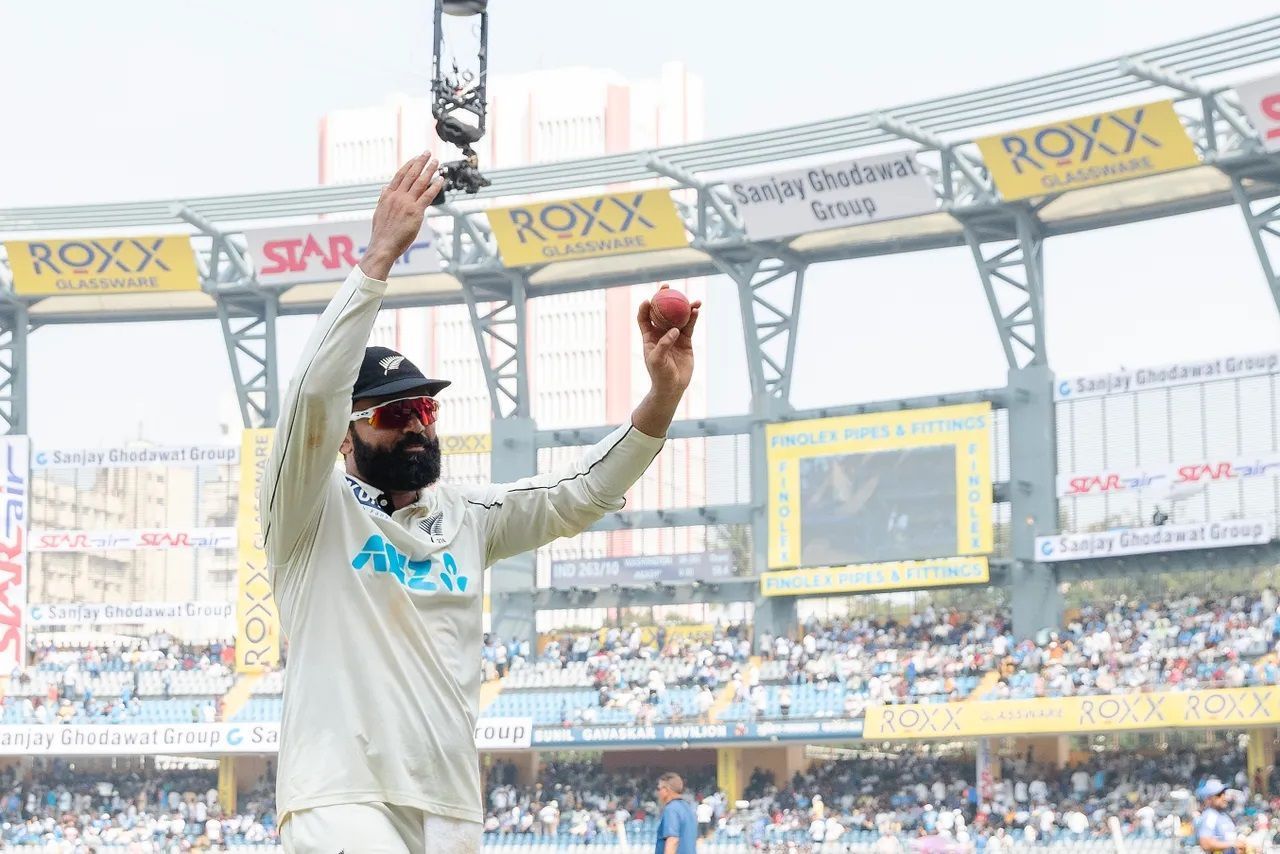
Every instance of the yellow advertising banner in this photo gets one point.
(257, 620)
(1113, 146)
(871, 577)
(227, 784)
(612, 224)
(103, 265)
(1226, 707)
(870, 489)
(466, 443)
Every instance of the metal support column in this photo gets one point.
(512, 581)
(770, 287)
(1257, 192)
(773, 614)
(769, 292)
(498, 318)
(1222, 129)
(247, 312)
(496, 300)
(1008, 251)
(1036, 600)
(13, 368)
(249, 331)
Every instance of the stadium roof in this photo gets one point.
(1204, 56)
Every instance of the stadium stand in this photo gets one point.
(836, 669)
(832, 669)
(66, 809)
(858, 802)
(144, 683)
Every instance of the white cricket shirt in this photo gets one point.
(383, 612)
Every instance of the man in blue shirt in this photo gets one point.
(678, 827)
(1215, 831)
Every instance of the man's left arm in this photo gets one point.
(534, 511)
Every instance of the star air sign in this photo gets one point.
(613, 224)
(1084, 152)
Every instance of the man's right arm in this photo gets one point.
(317, 407)
(315, 415)
(667, 831)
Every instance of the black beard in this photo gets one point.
(398, 469)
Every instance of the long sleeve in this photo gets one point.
(315, 416)
(534, 511)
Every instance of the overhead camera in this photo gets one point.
(458, 101)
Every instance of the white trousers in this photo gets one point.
(377, 829)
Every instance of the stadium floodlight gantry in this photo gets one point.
(1005, 238)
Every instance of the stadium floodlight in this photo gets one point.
(458, 96)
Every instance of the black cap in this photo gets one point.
(385, 372)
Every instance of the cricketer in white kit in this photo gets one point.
(378, 570)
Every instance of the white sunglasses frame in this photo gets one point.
(368, 413)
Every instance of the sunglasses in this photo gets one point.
(396, 414)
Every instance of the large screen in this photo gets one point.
(876, 488)
(880, 506)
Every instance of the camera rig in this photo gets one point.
(458, 101)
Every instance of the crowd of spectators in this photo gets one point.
(1129, 645)
(576, 802)
(880, 801)
(158, 651)
(891, 797)
(934, 654)
(1134, 645)
(117, 682)
(62, 807)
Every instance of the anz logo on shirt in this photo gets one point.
(420, 575)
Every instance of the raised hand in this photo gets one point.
(668, 355)
(397, 220)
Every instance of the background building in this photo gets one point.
(102, 500)
(586, 363)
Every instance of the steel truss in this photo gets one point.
(770, 285)
(13, 372)
(247, 313)
(1247, 45)
(768, 610)
(499, 317)
(1008, 250)
(1221, 128)
(1257, 192)
(1005, 239)
(769, 279)
(497, 302)
(248, 330)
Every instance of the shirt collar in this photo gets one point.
(382, 501)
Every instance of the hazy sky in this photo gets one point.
(157, 99)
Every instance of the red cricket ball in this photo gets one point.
(668, 308)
